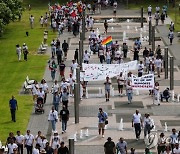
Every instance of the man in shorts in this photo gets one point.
(102, 118)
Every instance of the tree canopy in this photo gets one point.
(10, 10)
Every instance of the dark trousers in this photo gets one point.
(45, 96)
(171, 40)
(25, 56)
(101, 58)
(161, 149)
(29, 149)
(140, 74)
(125, 53)
(137, 127)
(13, 115)
(59, 59)
(65, 103)
(20, 148)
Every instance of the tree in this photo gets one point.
(10, 10)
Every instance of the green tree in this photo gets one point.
(10, 10)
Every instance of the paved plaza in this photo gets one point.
(117, 107)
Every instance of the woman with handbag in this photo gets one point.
(102, 121)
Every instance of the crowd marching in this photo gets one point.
(69, 17)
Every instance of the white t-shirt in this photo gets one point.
(55, 87)
(74, 66)
(149, 9)
(11, 147)
(93, 35)
(19, 139)
(38, 139)
(44, 87)
(119, 78)
(29, 139)
(41, 94)
(176, 151)
(35, 151)
(86, 56)
(137, 118)
(158, 63)
(108, 55)
(64, 85)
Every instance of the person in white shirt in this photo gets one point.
(86, 57)
(38, 138)
(41, 93)
(44, 88)
(176, 150)
(36, 150)
(129, 92)
(71, 82)
(137, 123)
(147, 124)
(53, 117)
(74, 65)
(161, 143)
(12, 146)
(55, 142)
(64, 84)
(158, 65)
(157, 9)
(140, 69)
(120, 81)
(31, 19)
(41, 20)
(19, 141)
(149, 10)
(28, 142)
(43, 143)
(55, 87)
(18, 51)
(93, 35)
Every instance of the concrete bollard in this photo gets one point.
(165, 127)
(81, 134)
(71, 146)
(173, 96)
(87, 95)
(137, 92)
(113, 91)
(75, 137)
(121, 125)
(87, 132)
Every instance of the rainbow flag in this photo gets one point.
(107, 41)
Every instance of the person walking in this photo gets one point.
(76, 55)
(55, 142)
(125, 49)
(56, 101)
(109, 146)
(161, 144)
(59, 55)
(129, 92)
(121, 146)
(62, 67)
(120, 81)
(64, 117)
(25, 51)
(18, 51)
(53, 68)
(19, 141)
(156, 93)
(63, 149)
(105, 26)
(28, 142)
(65, 97)
(11, 146)
(53, 117)
(13, 107)
(102, 116)
(140, 69)
(86, 57)
(107, 84)
(31, 20)
(137, 123)
(147, 124)
(65, 48)
(171, 37)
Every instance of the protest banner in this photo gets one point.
(145, 82)
(97, 72)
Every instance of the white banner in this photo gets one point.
(97, 72)
(146, 82)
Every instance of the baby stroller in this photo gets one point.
(39, 105)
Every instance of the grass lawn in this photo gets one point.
(13, 73)
(171, 11)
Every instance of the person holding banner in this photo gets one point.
(129, 92)
(140, 69)
(107, 84)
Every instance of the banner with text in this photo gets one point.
(97, 72)
(145, 82)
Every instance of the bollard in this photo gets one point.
(81, 134)
(165, 127)
(121, 125)
(76, 102)
(71, 146)
(150, 32)
(153, 38)
(171, 73)
(166, 62)
(141, 17)
(87, 132)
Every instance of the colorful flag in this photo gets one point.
(107, 41)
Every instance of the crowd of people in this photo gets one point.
(69, 17)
